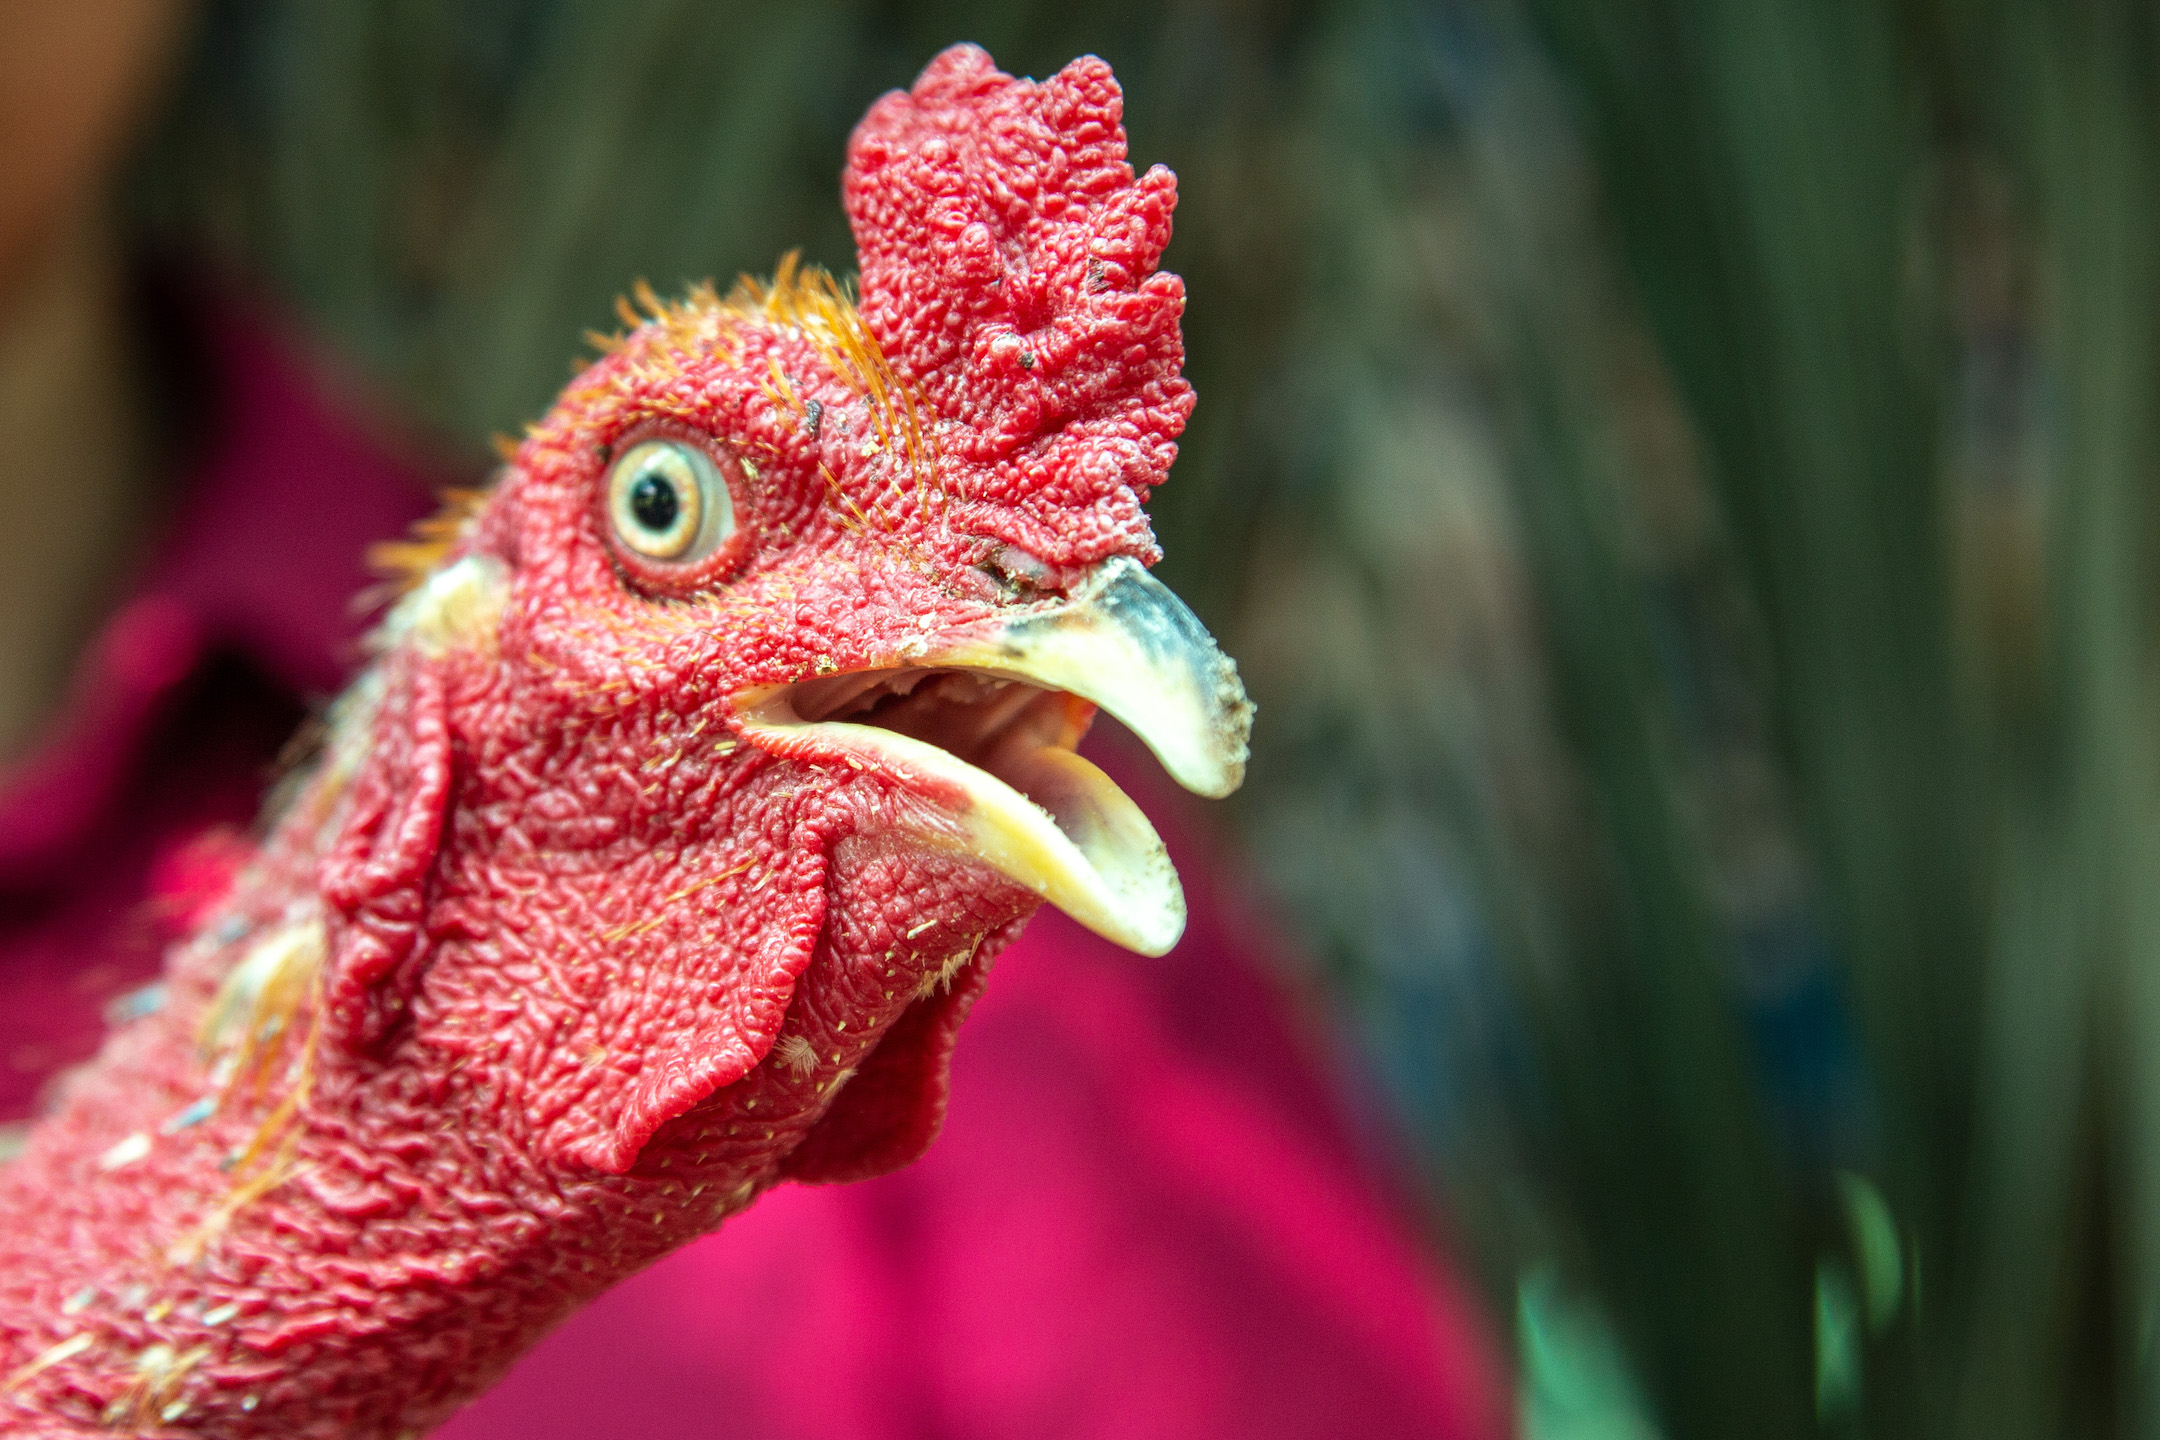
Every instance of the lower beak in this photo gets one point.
(1019, 800)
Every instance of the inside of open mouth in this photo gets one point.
(983, 720)
(995, 753)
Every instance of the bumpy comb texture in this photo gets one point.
(1008, 268)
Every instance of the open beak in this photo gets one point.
(980, 722)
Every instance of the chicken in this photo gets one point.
(696, 777)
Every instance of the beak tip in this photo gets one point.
(1214, 780)
(1155, 950)
(1153, 940)
(1216, 768)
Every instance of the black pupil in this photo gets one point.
(654, 502)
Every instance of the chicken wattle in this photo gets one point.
(702, 767)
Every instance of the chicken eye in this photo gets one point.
(667, 501)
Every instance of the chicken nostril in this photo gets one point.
(1019, 571)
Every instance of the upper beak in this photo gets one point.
(1125, 641)
(1019, 799)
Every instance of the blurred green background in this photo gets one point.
(1679, 478)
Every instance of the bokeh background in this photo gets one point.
(1679, 478)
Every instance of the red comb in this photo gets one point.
(1008, 267)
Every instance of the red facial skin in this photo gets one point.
(599, 972)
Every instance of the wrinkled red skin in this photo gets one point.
(568, 922)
